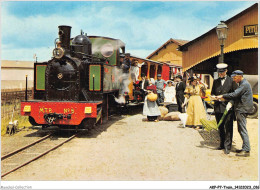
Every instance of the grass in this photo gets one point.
(22, 120)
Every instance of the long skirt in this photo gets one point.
(151, 108)
(195, 111)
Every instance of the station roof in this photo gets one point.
(17, 64)
(176, 41)
(152, 61)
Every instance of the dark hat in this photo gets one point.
(179, 76)
(142, 75)
(192, 78)
(237, 72)
(159, 75)
(221, 67)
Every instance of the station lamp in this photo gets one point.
(221, 30)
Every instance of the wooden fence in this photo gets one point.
(10, 102)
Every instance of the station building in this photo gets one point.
(168, 53)
(240, 50)
(13, 74)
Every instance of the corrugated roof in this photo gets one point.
(16, 64)
(177, 41)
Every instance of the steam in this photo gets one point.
(123, 79)
(98, 43)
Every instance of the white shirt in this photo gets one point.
(223, 80)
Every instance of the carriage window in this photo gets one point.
(207, 81)
(159, 71)
(144, 69)
(152, 71)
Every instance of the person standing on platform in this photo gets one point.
(160, 88)
(195, 110)
(141, 88)
(180, 88)
(243, 104)
(170, 93)
(134, 71)
(151, 109)
(224, 84)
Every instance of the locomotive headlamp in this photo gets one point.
(27, 108)
(88, 110)
(58, 53)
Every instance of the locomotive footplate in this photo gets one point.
(51, 117)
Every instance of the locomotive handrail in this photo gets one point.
(89, 56)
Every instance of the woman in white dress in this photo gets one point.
(170, 93)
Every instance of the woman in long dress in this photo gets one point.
(170, 93)
(151, 109)
(195, 110)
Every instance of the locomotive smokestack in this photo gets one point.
(64, 35)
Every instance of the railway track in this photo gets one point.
(31, 152)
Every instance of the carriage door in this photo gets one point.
(165, 72)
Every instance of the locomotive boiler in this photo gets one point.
(76, 88)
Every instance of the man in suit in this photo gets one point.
(180, 88)
(223, 85)
(243, 104)
(142, 86)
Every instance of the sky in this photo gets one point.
(31, 27)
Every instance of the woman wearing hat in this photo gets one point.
(195, 110)
(151, 109)
(170, 93)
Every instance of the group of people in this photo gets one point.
(235, 95)
(229, 93)
(167, 92)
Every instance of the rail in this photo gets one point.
(37, 157)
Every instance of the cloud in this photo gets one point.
(26, 54)
(143, 26)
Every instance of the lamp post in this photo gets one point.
(221, 30)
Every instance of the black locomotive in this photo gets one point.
(78, 85)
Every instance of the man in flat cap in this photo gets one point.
(159, 83)
(180, 88)
(243, 104)
(224, 84)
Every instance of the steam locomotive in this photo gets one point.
(78, 86)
